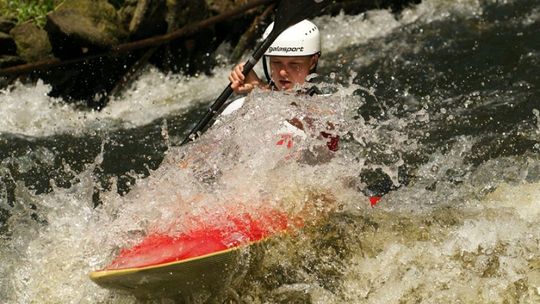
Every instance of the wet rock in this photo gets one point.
(182, 12)
(144, 18)
(78, 25)
(6, 24)
(32, 42)
(190, 54)
(7, 45)
(377, 182)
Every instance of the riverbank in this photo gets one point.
(89, 50)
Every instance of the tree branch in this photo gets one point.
(140, 44)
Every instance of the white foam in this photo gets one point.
(524, 200)
(346, 30)
(27, 110)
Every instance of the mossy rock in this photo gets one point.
(32, 42)
(87, 22)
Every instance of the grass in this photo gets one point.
(34, 10)
(27, 10)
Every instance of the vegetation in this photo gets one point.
(25, 10)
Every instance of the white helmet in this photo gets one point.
(301, 39)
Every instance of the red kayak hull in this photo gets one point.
(200, 258)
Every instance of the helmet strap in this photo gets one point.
(267, 74)
(265, 68)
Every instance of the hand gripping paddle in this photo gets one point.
(289, 12)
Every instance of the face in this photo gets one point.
(289, 71)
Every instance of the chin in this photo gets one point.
(285, 86)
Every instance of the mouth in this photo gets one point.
(285, 83)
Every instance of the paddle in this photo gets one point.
(289, 12)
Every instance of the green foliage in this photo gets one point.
(25, 10)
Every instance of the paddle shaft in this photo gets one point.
(214, 108)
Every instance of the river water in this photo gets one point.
(440, 106)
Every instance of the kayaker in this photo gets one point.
(287, 62)
(291, 58)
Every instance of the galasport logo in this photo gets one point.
(285, 49)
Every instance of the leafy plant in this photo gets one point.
(25, 10)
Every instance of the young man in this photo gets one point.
(292, 57)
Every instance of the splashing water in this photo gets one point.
(27, 110)
(410, 99)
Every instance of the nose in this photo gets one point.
(283, 72)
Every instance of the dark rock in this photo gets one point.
(32, 42)
(87, 82)
(378, 183)
(78, 25)
(7, 45)
(9, 60)
(6, 24)
(182, 12)
(191, 54)
(146, 18)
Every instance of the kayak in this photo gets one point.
(202, 258)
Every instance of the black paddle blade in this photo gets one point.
(290, 12)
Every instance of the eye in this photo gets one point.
(276, 64)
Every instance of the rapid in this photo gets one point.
(439, 105)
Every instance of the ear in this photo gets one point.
(314, 61)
